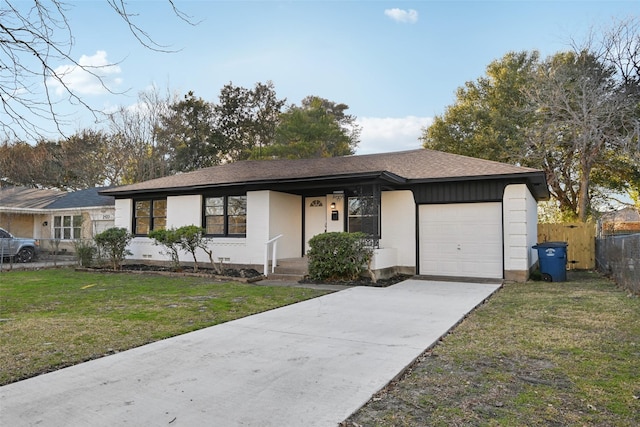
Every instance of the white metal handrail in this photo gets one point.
(274, 243)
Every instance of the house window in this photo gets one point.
(364, 216)
(150, 215)
(225, 215)
(67, 227)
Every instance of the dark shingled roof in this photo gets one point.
(405, 166)
(83, 199)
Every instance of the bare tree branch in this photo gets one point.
(35, 37)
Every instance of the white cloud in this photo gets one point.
(82, 79)
(385, 134)
(400, 15)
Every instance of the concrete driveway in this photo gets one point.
(308, 364)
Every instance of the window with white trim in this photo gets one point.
(67, 227)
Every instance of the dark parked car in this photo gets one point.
(20, 249)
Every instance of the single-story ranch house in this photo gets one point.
(428, 213)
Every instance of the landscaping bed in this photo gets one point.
(246, 275)
(363, 281)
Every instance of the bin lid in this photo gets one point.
(551, 245)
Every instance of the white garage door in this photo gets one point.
(463, 240)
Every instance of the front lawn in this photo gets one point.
(536, 354)
(50, 319)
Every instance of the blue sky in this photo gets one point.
(396, 64)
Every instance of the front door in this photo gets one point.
(315, 218)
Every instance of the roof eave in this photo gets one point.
(384, 175)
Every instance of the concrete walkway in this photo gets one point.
(308, 364)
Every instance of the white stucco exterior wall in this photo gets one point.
(184, 210)
(336, 226)
(285, 217)
(257, 227)
(269, 214)
(520, 219)
(123, 213)
(398, 227)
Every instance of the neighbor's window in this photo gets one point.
(67, 227)
(150, 215)
(225, 215)
(364, 216)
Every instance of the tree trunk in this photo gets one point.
(583, 197)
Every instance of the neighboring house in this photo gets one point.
(56, 218)
(623, 221)
(428, 212)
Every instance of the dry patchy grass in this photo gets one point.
(55, 318)
(535, 354)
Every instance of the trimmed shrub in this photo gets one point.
(338, 256)
(170, 239)
(191, 238)
(187, 238)
(85, 252)
(113, 242)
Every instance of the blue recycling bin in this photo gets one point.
(553, 261)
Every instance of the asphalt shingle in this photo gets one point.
(418, 165)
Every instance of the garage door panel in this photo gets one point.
(461, 240)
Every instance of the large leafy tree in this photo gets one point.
(187, 129)
(61, 164)
(619, 46)
(135, 140)
(14, 159)
(247, 118)
(488, 117)
(316, 128)
(71, 160)
(568, 115)
(584, 121)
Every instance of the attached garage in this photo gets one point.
(461, 239)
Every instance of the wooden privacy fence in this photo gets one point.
(581, 239)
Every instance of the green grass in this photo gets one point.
(535, 354)
(50, 319)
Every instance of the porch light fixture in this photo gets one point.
(333, 205)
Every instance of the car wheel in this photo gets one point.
(25, 255)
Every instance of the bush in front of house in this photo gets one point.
(187, 238)
(113, 242)
(170, 239)
(338, 256)
(191, 237)
(85, 252)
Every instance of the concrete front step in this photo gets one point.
(290, 269)
(293, 262)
